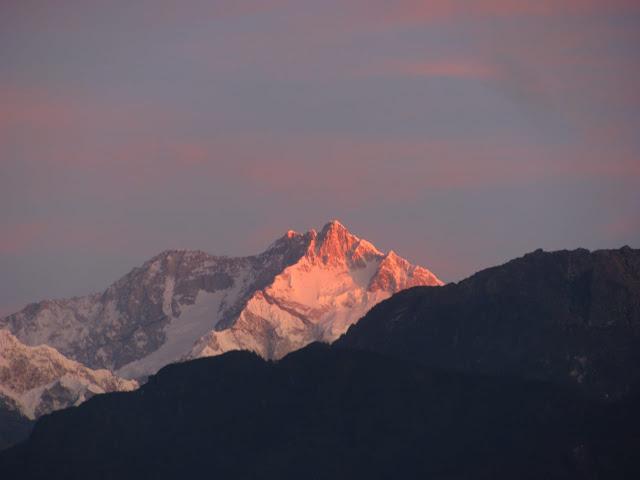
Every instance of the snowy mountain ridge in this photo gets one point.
(185, 304)
(40, 380)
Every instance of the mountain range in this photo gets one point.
(332, 413)
(524, 370)
(567, 317)
(185, 304)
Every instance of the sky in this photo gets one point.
(460, 134)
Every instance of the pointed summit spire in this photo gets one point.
(334, 229)
(333, 225)
(334, 242)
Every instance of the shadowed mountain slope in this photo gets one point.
(14, 427)
(324, 412)
(569, 317)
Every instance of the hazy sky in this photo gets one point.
(460, 134)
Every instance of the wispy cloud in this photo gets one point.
(405, 68)
(20, 238)
(414, 11)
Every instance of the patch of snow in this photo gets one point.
(362, 276)
(182, 332)
(167, 295)
(40, 368)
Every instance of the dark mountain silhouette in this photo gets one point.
(568, 317)
(324, 412)
(14, 427)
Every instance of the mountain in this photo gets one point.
(331, 413)
(186, 304)
(441, 383)
(38, 380)
(568, 317)
(14, 426)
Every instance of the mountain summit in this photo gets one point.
(185, 304)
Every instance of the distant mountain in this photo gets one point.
(568, 317)
(38, 380)
(186, 304)
(331, 413)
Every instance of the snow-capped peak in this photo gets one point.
(187, 303)
(395, 273)
(333, 246)
(40, 379)
(335, 231)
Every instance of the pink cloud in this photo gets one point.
(415, 11)
(20, 238)
(154, 159)
(462, 69)
(41, 112)
(393, 170)
(64, 130)
(67, 233)
(562, 69)
(32, 107)
(54, 234)
(169, 12)
(79, 16)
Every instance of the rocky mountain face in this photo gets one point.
(569, 317)
(332, 413)
(38, 380)
(185, 304)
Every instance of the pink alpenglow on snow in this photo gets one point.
(185, 304)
